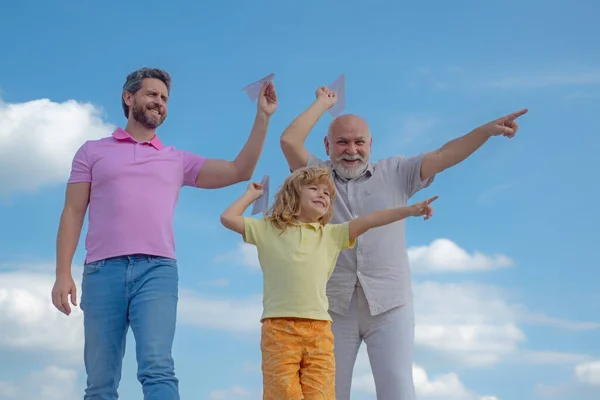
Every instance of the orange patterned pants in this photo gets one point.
(297, 359)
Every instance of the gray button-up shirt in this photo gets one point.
(378, 262)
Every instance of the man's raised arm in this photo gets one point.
(293, 138)
(457, 150)
(217, 173)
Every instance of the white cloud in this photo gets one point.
(39, 138)
(589, 373)
(584, 384)
(443, 255)
(468, 323)
(52, 383)
(444, 386)
(476, 324)
(30, 323)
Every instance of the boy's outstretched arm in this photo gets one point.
(232, 218)
(375, 219)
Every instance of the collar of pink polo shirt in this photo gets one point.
(122, 134)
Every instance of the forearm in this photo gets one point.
(232, 218)
(457, 150)
(384, 217)
(376, 219)
(239, 206)
(246, 161)
(69, 231)
(297, 132)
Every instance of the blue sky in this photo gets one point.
(506, 273)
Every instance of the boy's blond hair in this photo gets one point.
(286, 208)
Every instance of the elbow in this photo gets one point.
(242, 173)
(245, 176)
(285, 143)
(225, 220)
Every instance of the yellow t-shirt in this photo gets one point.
(296, 266)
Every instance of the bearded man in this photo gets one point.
(369, 293)
(131, 182)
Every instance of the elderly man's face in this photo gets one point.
(348, 145)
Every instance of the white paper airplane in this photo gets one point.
(262, 203)
(338, 86)
(253, 89)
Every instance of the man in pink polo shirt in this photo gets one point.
(131, 182)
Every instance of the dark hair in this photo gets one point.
(133, 83)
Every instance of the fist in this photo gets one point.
(326, 96)
(64, 287)
(255, 190)
(267, 99)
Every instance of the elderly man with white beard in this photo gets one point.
(369, 293)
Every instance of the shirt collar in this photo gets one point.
(122, 134)
(314, 225)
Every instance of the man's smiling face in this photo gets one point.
(348, 144)
(149, 104)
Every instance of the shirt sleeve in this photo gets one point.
(340, 234)
(409, 172)
(81, 167)
(254, 230)
(192, 164)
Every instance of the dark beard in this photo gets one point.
(139, 114)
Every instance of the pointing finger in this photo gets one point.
(516, 115)
(432, 199)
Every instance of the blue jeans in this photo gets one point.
(139, 291)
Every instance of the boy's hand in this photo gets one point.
(423, 208)
(255, 190)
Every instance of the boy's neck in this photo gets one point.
(306, 220)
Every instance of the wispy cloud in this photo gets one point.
(245, 254)
(216, 283)
(579, 95)
(544, 79)
(489, 195)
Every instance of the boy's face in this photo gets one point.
(315, 200)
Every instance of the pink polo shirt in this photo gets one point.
(134, 190)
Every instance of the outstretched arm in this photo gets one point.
(232, 218)
(220, 173)
(379, 218)
(457, 150)
(293, 138)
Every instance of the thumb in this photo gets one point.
(504, 130)
(74, 295)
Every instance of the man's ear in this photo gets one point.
(127, 98)
(326, 142)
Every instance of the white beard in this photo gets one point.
(350, 172)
